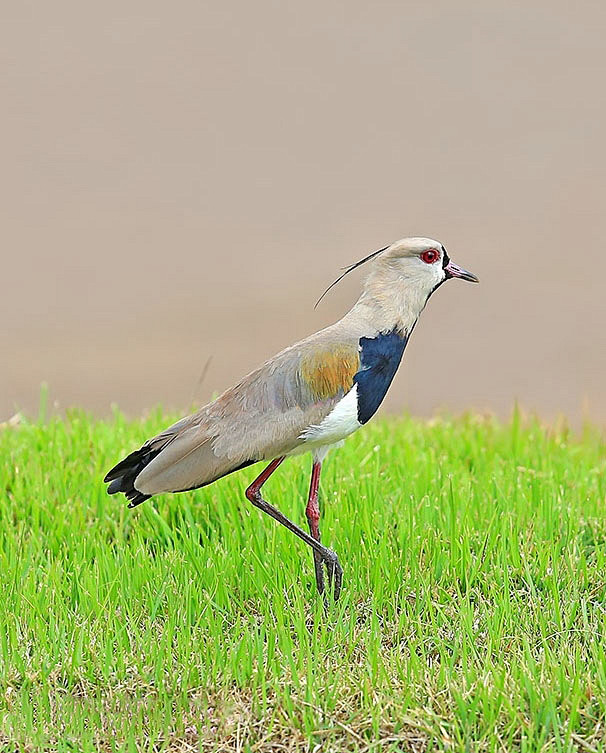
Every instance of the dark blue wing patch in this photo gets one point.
(380, 357)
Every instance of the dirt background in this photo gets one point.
(180, 181)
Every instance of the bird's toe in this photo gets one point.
(335, 572)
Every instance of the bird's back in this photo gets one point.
(264, 416)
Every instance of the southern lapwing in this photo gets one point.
(308, 398)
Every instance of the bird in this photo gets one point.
(308, 398)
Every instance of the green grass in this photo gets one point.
(472, 618)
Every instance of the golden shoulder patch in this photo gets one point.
(327, 371)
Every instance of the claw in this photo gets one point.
(334, 572)
(318, 566)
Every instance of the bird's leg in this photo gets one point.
(312, 511)
(253, 494)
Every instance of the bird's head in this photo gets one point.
(407, 272)
(422, 263)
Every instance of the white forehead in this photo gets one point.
(414, 245)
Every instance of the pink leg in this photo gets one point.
(321, 553)
(312, 511)
(254, 489)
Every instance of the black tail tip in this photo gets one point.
(136, 499)
(115, 486)
(126, 486)
(122, 476)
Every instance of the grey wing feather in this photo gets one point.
(261, 418)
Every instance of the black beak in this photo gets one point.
(453, 270)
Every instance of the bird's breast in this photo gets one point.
(380, 357)
(338, 424)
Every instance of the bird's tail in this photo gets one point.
(122, 476)
(190, 463)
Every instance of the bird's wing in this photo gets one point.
(264, 416)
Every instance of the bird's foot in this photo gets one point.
(319, 570)
(333, 570)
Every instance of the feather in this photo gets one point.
(330, 373)
(350, 269)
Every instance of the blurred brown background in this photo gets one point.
(182, 180)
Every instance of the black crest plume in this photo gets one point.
(350, 269)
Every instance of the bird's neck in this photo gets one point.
(389, 303)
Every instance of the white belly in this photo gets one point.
(339, 424)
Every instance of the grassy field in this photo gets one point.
(472, 618)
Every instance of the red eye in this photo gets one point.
(431, 256)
